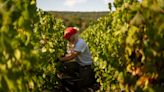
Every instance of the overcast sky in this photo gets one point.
(73, 5)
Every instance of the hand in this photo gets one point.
(63, 55)
(59, 59)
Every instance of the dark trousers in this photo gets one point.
(85, 73)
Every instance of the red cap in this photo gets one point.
(69, 32)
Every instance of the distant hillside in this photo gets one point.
(79, 19)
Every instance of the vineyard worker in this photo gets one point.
(78, 51)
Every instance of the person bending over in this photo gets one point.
(78, 52)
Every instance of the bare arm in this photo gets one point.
(70, 56)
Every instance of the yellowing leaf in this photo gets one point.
(137, 20)
(17, 54)
(96, 58)
(44, 49)
(2, 67)
(9, 64)
(31, 84)
(33, 2)
(103, 64)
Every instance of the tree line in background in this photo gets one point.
(78, 19)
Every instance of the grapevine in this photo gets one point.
(30, 42)
(127, 46)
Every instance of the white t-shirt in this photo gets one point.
(84, 58)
